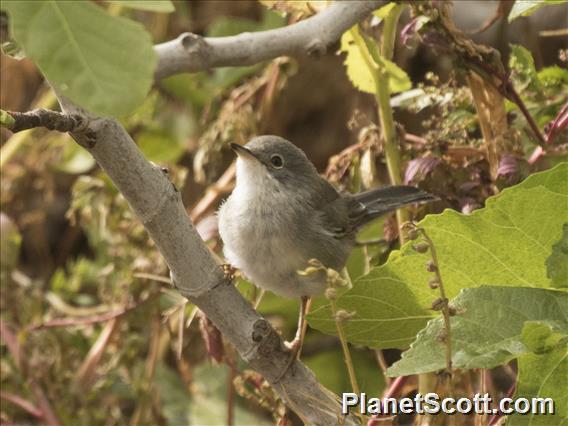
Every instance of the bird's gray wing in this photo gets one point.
(337, 212)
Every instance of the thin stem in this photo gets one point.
(445, 309)
(17, 140)
(392, 149)
(345, 348)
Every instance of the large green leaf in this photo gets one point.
(506, 243)
(528, 7)
(557, 263)
(162, 6)
(101, 62)
(489, 330)
(200, 404)
(361, 76)
(543, 376)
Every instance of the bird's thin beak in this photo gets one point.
(242, 151)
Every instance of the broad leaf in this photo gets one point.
(103, 63)
(360, 74)
(543, 376)
(528, 7)
(557, 263)
(542, 336)
(489, 330)
(523, 68)
(163, 6)
(506, 243)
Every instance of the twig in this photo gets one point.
(70, 322)
(379, 354)
(213, 194)
(51, 120)
(43, 403)
(86, 372)
(231, 374)
(502, 11)
(45, 406)
(312, 36)
(340, 317)
(558, 124)
(16, 141)
(495, 417)
(11, 342)
(145, 401)
(22, 403)
(563, 32)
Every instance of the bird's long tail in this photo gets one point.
(382, 200)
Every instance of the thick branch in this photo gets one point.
(312, 36)
(157, 203)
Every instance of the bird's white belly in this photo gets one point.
(265, 252)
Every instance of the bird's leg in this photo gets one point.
(295, 346)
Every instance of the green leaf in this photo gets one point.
(490, 330)
(329, 368)
(557, 263)
(506, 243)
(361, 75)
(103, 63)
(523, 69)
(159, 146)
(528, 7)
(543, 376)
(383, 11)
(163, 6)
(357, 70)
(542, 336)
(6, 120)
(76, 159)
(398, 79)
(553, 76)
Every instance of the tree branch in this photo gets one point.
(52, 120)
(157, 202)
(312, 36)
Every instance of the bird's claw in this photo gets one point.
(293, 348)
(229, 271)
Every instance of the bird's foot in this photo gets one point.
(293, 348)
(229, 271)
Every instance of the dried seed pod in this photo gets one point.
(330, 293)
(431, 266)
(434, 283)
(421, 247)
(439, 303)
(343, 315)
(412, 234)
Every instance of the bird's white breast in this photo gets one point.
(258, 238)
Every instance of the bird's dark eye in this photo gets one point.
(277, 161)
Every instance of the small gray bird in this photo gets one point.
(282, 213)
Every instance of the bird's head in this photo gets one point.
(273, 161)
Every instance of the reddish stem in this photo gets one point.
(22, 403)
(495, 417)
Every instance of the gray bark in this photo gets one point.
(312, 36)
